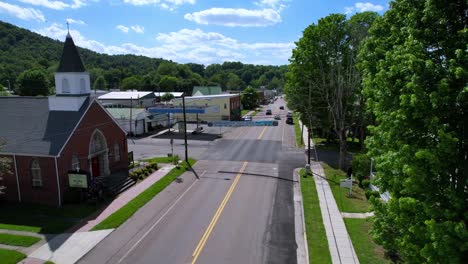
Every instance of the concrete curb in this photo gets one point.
(302, 250)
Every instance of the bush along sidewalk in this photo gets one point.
(144, 172)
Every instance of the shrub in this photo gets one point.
(361, 167)
(370, 194)
(365, 183)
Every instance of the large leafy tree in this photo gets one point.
(100, 83)
(415, 68)
(33, 83)
(249, 98)
(324, 72)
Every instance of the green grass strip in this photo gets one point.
(297, 130)
(366, 249)
(18, 240)
(356, 203)
(10, 256)
(121, 215)
(34, 229)
(160, 160)
(316, 237)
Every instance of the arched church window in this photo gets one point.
(65, 86)
(82, 86)
(35, 171)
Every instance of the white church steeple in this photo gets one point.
(72, 82)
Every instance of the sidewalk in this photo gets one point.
(70, 247)
(339, 242)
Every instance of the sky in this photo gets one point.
(199, 31)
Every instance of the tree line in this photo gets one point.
(28, 58)
(401, 80)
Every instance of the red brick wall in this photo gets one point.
(47, 194)
(95, 118)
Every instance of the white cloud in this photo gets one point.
(164, 4)
(187, 45)
(57, 5)
(21, 12)
(122, 28)
(73, 21)
(277, 5)
(138, 29)
(235, 17)
(362, 7)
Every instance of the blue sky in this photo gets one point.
(199, 31)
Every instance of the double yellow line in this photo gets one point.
(261, 133)
(212, 224)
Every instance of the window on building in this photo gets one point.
(35, 170)
(82, 86)
(75, 162)
(116, 152)
(225, 106)
(65, 86)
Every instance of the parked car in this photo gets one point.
(248, 118)
(277, 117)
(268, 112)
(282, 107)
(289, 114)
(289, 120)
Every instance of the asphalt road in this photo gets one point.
(239, 211)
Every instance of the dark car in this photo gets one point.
(289, 120)
(282, 107)
(268, 112)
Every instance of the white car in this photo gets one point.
(248, 118)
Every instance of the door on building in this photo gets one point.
(95, 166)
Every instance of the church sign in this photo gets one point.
(77, 180)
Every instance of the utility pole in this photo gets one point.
(185, 130)
(130, 134)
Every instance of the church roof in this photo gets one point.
(70, 61)
(34, 129)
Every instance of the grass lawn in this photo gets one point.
(160, 160)
(297, 130)
(366, 250)
(357, 203)
(316, 236)
(18, 240)
(10, 256)
(121, 215)
(321, 143)
(43, 219)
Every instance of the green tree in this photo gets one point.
(415, 69)
(100, 83)
(33, 83)
(249, 98)
(132, 83)
(168, 84)
(234, 83)
(167, 97)
(3, 91)
(324, 65)
(167, 68)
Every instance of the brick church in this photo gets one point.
(47, 137)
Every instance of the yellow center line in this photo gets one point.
(212, 224)
(261, 134)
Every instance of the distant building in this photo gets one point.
(218, 107)
(128, 99)
(47, 137)
(141, 120)
(206, 90)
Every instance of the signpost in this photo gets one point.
(78, 180)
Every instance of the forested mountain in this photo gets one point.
(22, 50)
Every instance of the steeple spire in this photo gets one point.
(70, 61)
